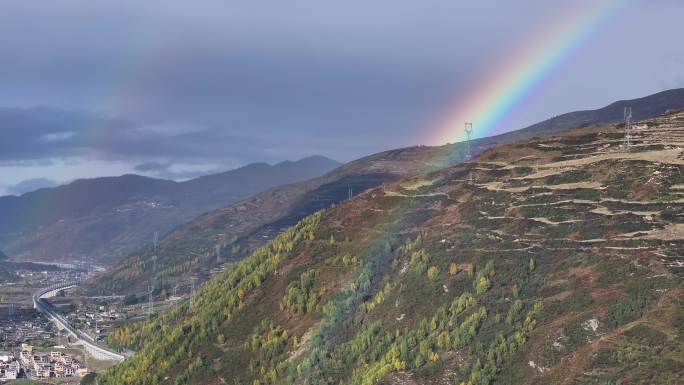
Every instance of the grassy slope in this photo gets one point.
(555, 263)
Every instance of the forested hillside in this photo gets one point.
(555, 260)
(221, 237)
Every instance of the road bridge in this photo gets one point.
(91, 346)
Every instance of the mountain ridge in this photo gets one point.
(92, 216)
(248, 223)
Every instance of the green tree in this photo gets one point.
(482, 284)
(453, 268)
(470, 270)
(433, 273)
(220, 339)
(419, 361)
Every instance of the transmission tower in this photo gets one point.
(192, 292)
(469, 132)
(154, 251)
(217, 248)
(150, 304)
(628, 127)
(349, 192)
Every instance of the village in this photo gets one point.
(31, 363)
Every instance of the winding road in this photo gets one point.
(42, 305)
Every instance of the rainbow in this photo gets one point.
(489, 104)
(506, 86)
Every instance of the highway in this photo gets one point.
(42, 305)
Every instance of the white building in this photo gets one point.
(9, 371)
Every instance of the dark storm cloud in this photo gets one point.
(276, 74)
(44, 133)
(178, 87)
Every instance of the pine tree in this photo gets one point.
(453, 268)
(433, 273)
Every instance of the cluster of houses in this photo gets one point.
(53, 364)
(23, 325)
(94, 322)
(9, 367)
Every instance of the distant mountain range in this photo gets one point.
(191, 249)
(103, 219)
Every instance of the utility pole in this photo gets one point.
(628, 127)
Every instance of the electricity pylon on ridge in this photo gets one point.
(469, 132)
(628, 127)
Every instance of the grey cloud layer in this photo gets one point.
(158, 83)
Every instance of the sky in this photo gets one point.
(177, 89)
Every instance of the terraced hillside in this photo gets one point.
(219, 238)
(556, 260)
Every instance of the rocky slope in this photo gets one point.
(103, 219)
(554, 260)
(201, 247)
